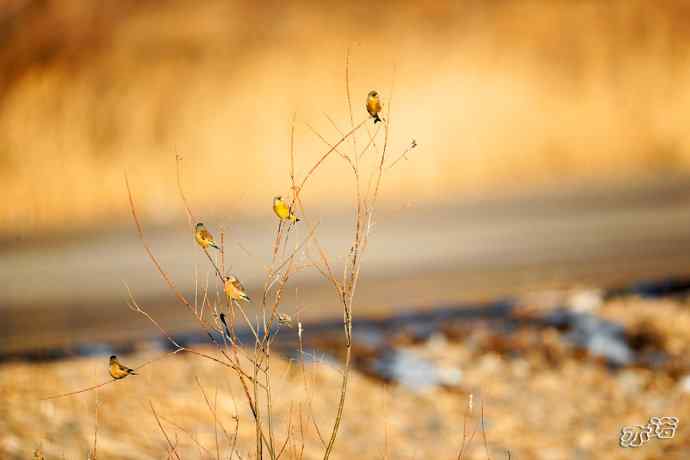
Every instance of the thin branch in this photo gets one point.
(412, 145)
(190, 217)
(172, 447)
(325, 155)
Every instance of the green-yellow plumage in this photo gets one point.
(282, 210)
(234, 289)
(374, 106)
(117, 370)
(203, 237)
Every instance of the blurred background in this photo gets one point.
(553, 156)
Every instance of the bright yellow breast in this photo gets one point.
(117, 372)
(281, 209)
(373, 105)
(231, 291)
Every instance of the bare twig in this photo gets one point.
(172, 447)
(190, 217)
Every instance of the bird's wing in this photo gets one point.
(238, 285)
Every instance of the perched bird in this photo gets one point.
(203, 237)
(285, 319)
(282, 210)
(374, 105)
(234, 289)
(117, 370)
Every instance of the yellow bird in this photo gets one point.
(374, 106)
(282, 210)
(234, 289)
(117, 370)
(204, 237)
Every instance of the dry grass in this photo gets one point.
(536, 408)
(501, 97)
(129, 430)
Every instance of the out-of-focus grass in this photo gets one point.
(501, 97)
(545, 402)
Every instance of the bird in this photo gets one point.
(374, 105)
(204, 237)
(117, 370)
(283, 211)
(234, 289)
(284, 319)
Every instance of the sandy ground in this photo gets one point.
(546, 401)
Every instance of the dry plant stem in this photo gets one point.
(486, 444)
(307, 393)
(465, 443)
(363, 215)
(253, 402)
(84, 390)
(289, 433)
(214, 411)
(265, 344)
(345, 157)
(259, 431)
(235, 417)
(180, 297)
(190, 216)
(301, 434)
(94, 387)
(334, 124)
(345, 292)
(348, 290)
(349, 101)
(236, 365)
(188, 433)
(171, 284)
(95, 431)
(172, 450)
(172, 447)
(134, 306)
(325, 155)
(402, 155)
(218, 272)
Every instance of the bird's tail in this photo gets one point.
(295, 219)
(214, 245)
(131, 372)
(222, 318)
(376, 118)
(246, 298)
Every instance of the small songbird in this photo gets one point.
(285, 319)
(204, 237)
(282, 210)
(374, 105)
(117, 370)
(234, 289)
